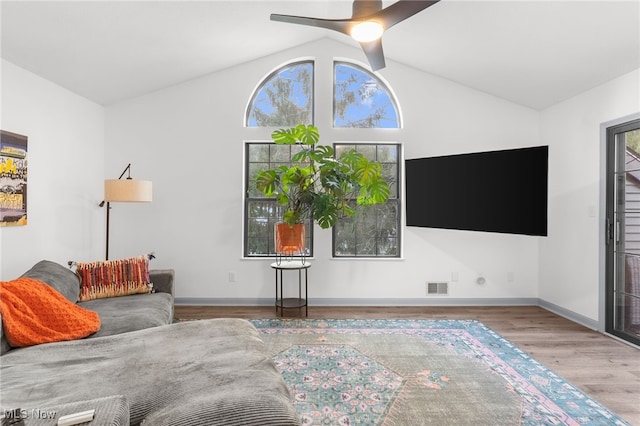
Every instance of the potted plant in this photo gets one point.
(317, 184)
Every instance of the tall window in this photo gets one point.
(361, 100)
(374, 231)
(262, 213)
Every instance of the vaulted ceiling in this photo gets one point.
(535, 53)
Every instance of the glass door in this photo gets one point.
(623, 232)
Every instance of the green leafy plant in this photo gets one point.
(319, 185)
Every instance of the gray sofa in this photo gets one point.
(139, 368)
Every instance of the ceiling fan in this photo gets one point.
(367, 23)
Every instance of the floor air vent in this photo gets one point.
(437, 289)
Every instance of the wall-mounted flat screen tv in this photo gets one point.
(495, 191)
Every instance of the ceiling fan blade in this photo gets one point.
(373, 51)
(387, 17)
(399, 11)
(364, 8)
(340, 25)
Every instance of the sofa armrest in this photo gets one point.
(162, 280)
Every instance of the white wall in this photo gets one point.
(188, 139)
(570, 268)
(65, 160)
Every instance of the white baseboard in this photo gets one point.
(570, 315)
(432, 301)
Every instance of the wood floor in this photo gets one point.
(602, 367)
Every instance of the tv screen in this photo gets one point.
(496, 191)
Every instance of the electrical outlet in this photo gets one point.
(510, 277)
(454, 277)
(232, 277)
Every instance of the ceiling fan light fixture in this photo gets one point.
(367, 31)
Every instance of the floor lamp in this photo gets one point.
(124, 191)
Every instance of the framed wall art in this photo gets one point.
(13, 179)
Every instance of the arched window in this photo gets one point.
(284, 99)
(361, 100)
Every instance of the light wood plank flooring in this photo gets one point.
(602, 367)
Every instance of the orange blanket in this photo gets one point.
(34, 313)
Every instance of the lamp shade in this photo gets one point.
(127, 190)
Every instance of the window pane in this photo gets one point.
(258, 153)
(361, 99)
(280, 153)
(387, 153)
(254, 168)
(366, 232)
(285, 99)
(296, 149)
(343, 149)
(260, 219)
(344, 237)
(369, 151)
(390, 174)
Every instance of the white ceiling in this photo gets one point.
(535, 53)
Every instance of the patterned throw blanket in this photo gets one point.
(35, 313)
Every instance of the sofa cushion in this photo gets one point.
(57, 276)
(130, 313)
(109, 411)
(210, 372)
(109, 278)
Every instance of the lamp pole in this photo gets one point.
(126, 169)
(106, 255)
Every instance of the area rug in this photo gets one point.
(419, 372)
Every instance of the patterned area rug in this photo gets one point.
(419, 372)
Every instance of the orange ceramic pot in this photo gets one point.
(289, 238)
